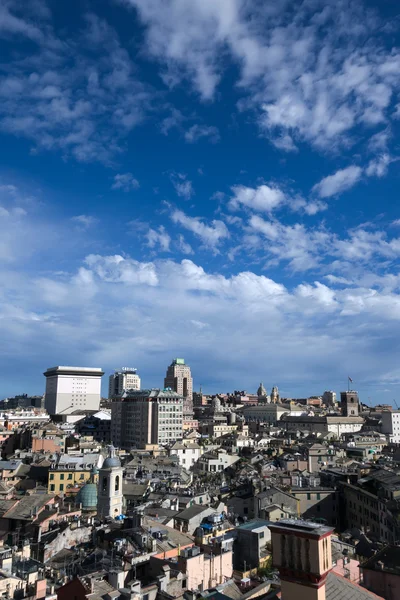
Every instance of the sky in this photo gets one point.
(210, 179)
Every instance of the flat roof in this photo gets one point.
(73, 371)
(302, 526)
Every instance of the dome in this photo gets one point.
(112, 459)
(87, 496)
(110, 462)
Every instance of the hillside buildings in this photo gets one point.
(69, 389)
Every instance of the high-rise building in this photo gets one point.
(350, 403)
(121, 380)
(179, 379)
(109, 490)
(69, 389)
(147, 417)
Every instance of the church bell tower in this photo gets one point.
(109, 494)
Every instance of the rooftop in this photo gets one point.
(387, 559)
(301, 526)
(151, 393)
(71, 370)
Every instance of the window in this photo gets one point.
(51, 476)
(117, 483)
(61, 487)
(69, 475)
(261, 535)
(308, 496)
(104, 484)
(52, 486)
(62, 476)
(318, 496)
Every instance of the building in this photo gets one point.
(179, 379)
(69, 389)
(381, 572)
(71, 472)
(147, 417)
(270, 413)
(188, 453)
(350, 404)
(97, 425)
(109, 492)
(302, 553)
(121, 380)
(335, 426)
(390, 425)
(329, 398)
(251, 544)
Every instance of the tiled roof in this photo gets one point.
(340, 588)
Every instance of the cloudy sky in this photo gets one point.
(212, 179)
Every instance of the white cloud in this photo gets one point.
(309, 71)
(264, 198)
(210, 235)
(339, 182)
(82, 107)
(183, 187)
(125, 182)
(158, 238)
(84, 221)
(183, 246)
(117, 269)
(378, 167)
(197, 132)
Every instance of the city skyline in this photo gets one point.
(229, 197)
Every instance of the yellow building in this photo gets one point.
(60, 480)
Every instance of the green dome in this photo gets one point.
(87, 496)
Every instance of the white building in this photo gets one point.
(121, 380)
(271, 413)
(70, 389)
(109, 490)
(391, 425)
(216, 461)
(188, 453)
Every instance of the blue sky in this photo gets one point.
(213, 179)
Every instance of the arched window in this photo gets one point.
(104, 484)
(117, 483)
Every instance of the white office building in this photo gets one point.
(121, 380)
(391, 426)
(70, 389)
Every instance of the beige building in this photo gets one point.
(147, 417)
(302, 553)
(179, 379)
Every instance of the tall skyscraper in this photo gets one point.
(69, 389)
(121, 380)
(147, 417)
(179, 379)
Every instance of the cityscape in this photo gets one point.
(199, 300)
(172, 493)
